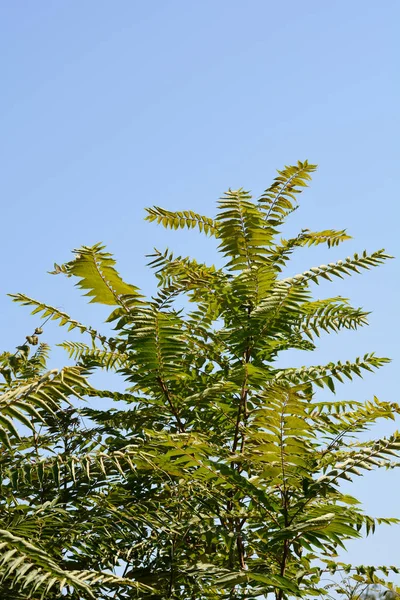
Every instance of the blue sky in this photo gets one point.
(109, 107)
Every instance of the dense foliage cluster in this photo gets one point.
(220, 475)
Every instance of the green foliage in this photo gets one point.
(181, 220)
(96, 274)
(217, 474)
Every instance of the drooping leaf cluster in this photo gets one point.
(220, 476)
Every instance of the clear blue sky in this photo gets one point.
(108, 107)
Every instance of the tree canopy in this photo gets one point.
(218, 473)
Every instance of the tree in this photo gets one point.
(220, 477)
